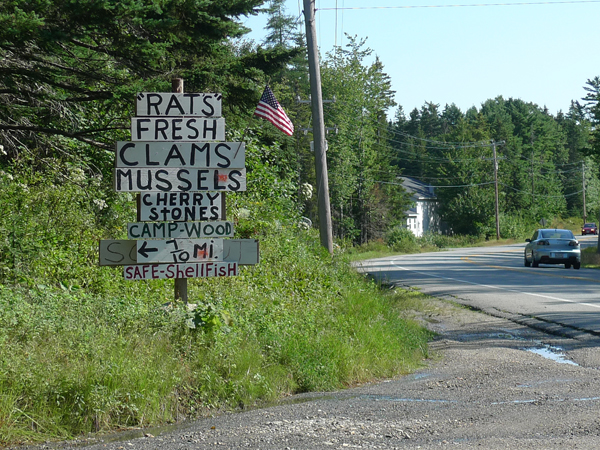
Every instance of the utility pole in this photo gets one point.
(318, 127)
(583, 184)
(181, 285)
(496, 190)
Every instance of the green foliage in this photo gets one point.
(70, 70)
(83, 350)
(517, 226)
(51, 235)
(402, 240)
(365, 200)
(592, 100)
(590, 258)
(539, 163)
(282, 29)
(73, 362)
(440, 241)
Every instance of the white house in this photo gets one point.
(422, 217)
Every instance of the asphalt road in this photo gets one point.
(495, 279)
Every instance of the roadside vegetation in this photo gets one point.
(82, 350)
(85, 351)
(402, 240)
(590, 258)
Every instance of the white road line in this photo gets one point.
(495, 287)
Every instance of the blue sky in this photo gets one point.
(541, 53)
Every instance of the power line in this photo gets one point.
(480, 144)
(478, 5)
(447, 147)
(447, 144)
(541, 195)
(435, 187)
(418, 177)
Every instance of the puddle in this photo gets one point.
(419, 376)
(550, 352)
(497, 335)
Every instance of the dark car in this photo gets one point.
(589, 228)
(548, 246)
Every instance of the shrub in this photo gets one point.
(401, 239)
(74, 362)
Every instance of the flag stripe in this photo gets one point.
(281, 122)
(269, 109)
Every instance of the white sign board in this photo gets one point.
(179, 206)
(177, 129)
(179, 230)
(223, 155)
(178, 104)
(168, 271)
(125, 252)
(171, 179)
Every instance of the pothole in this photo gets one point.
(552, 353)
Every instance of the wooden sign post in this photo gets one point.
(181, 167)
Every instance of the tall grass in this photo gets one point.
(82, 350)
(590, 258)
(73, 363)
(516, 227)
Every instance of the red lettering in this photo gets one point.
(232, 269)
(169, 271)
(127, 273)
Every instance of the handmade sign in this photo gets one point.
(179, 163)
(179, 180)
(224, 155)
(199, 270)
(178, 104)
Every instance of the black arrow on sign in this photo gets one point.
(144, 251)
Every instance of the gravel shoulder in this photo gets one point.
(492, 382)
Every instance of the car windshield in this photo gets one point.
(589, 225)
(557, 234)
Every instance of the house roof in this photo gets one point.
(417, 189)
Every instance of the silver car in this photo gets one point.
(553, 247)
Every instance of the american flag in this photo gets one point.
(268, 108)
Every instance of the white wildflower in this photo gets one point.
(77, 175)
(305, 223)
(244, 213)
(306, 191)
(100, 204)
